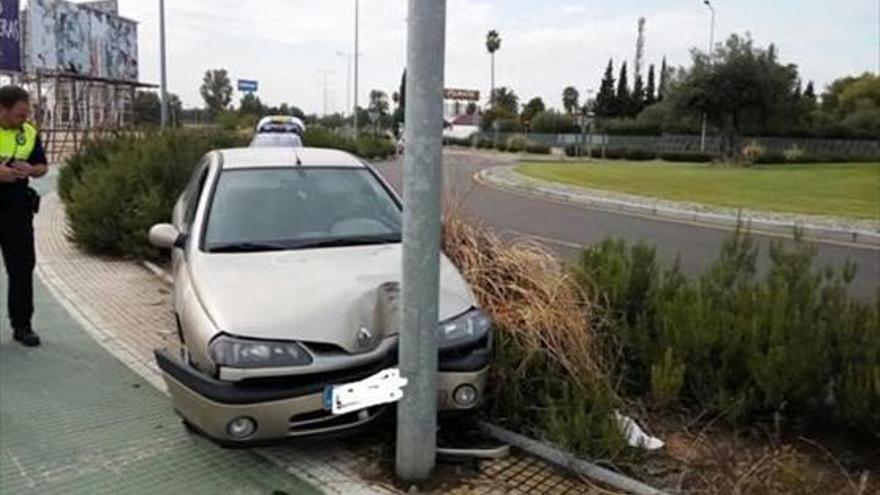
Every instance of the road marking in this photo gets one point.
(548, 240)
(757, 232)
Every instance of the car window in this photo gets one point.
(299, 207)
(276, 140)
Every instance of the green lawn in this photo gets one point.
(846, 190)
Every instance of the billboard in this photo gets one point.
(76, 38)
(10, 37)
(461, 94)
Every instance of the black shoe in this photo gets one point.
(26, 337)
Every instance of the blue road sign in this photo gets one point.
(247, 86)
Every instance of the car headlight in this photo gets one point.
(241, 353)
(468, 327)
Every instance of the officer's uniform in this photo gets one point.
(18, 204)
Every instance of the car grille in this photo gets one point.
(316, 422)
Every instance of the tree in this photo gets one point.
(570, 99)
(216, 90)
(623, 98)
(650, 92)
(664, 80)
(745, 89)
(251, 105)
(505, 99)
(637, 100)
(147, 108)
(471, 108)
(810, 92)
(605, 99)
(532, 108)
(378, 102)
(493, 44)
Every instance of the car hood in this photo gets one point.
(324, 296)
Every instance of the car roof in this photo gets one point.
(271, 157)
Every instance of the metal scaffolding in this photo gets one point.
(70, 109)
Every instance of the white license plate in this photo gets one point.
(384, 387)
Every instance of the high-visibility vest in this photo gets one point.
(18, 144)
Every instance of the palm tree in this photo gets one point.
(570, 97)
(493, 44)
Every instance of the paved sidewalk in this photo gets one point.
(74, 420)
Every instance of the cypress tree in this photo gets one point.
(651, 92)
(605, 99)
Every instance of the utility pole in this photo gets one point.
(347, 58)
(357, 27)
(423, 177)
(163, 67)
(324, 74)
(711, 62)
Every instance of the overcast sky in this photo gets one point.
(547, 44)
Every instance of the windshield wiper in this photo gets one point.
(247, 247)
(364, 240)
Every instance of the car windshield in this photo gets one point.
(288, 140)
(296, 208)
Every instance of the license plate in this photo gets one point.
(385, 387)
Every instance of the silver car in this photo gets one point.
(286, 266)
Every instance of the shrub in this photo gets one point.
(639, 155)
(365, 146)
(674, 156)
(550, 372)
(538, 149)
(792, 342)
(452, 141)
(553, 122)
(753, 152)
(516, 144)
(501, 146)
(116, 189)
(794, 153)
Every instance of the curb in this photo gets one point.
(505, 179)
(569, 461)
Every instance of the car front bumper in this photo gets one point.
(294, 406)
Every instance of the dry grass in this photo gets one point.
(529, 296)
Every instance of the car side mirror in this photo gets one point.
(165, 235)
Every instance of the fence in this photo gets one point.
(682, 143)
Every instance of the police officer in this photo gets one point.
(21, 158)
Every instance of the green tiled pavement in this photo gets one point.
(74, 420)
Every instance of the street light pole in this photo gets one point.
(423, 177)
(711, 60)
(163, 67)
(347, 58)
(357, 8)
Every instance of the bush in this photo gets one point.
(501, 147)
(753, 152)
(516, 144)
(538, 149)
(639, 155)
(794, 153)
(553, 122)
(792, 343)
(365, 146)
(116, 189)
(549, 378)
(674, 156)
(452, 141)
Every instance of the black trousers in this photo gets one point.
(17, 243)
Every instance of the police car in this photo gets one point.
(279, 131)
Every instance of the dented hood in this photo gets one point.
(316, 296)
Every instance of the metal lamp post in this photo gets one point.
(423, 177)
(347, 58)
(711, 59)
(162, 66)
(357, 24)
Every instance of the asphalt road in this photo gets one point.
(566, 228)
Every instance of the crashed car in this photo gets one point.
(286, 265)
